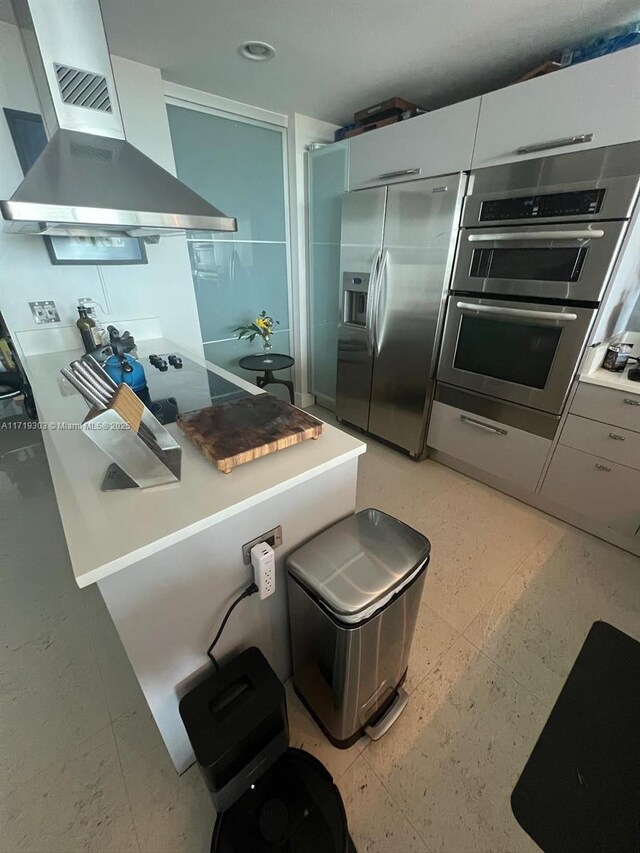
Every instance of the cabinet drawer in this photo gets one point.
(496, 448)
(585, 99)
(613, 443)
(608, 405)
(596, 488)
(437, 143)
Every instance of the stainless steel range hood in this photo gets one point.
(89, 180)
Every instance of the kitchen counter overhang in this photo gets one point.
(108, 531)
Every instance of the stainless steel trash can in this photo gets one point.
(354, 593)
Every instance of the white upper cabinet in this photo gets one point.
(596, 103)
(436, 143)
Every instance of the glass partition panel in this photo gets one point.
(237, 165)
(327, 183)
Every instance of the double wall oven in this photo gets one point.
(537, 247)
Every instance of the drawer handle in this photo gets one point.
(556, 143)
(399, 174)
(602, 467)
(479, 425)
(630, 402)
(616, 437)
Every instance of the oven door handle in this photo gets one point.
(500, 236)
(524, 313)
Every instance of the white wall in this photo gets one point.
(163, 288)
(303, 130)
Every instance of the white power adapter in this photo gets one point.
(264, 569)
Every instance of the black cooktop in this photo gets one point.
(187, 389)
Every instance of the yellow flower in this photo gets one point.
(262, 323)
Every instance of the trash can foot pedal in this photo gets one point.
(383, 725)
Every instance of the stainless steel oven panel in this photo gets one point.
(600, 242)
(615, 169)
(520, 417)
(571, 324)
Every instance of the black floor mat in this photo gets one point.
(580, 789)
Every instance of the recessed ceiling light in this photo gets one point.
(259, 51)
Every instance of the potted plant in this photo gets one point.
(263, 326)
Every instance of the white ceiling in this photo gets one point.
(336, 56)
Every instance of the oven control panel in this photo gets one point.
(563, 205)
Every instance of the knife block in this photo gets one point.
(136, 462)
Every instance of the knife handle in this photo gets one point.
(91, 378)
(87, 393)
(90, 361)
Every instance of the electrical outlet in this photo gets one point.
(89, 304)
(44, 312)
(271, 537)
(264, 569)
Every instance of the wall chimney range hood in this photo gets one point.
(89, 181)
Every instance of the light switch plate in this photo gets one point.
(44, 312)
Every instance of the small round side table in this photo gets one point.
(269, 363)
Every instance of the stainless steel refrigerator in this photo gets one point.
(397, 250)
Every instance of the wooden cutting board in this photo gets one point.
(237, 432)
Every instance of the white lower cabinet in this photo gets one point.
(607, 405)
(595, 487)
(610, 442)
(498, 449)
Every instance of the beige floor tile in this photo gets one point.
(511, 523)
(455, 754)
(305, 734)
(433, 636)
(171, 813)
(376, 824)
(396, 484)
(393, 482)
(536, 624)
(473, 553)
(78, 804)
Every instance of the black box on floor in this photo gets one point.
(237, 723)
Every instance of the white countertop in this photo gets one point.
(594, 374)
(108, 531)
(609, 379)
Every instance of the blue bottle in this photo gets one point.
(135, 377)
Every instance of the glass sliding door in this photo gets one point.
(238, 165)
(327, 183)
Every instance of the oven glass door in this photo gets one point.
(525, 353)
(561, 262)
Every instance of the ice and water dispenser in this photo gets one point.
(356, 292)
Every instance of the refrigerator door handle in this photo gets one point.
(382, 275)
(370, 300)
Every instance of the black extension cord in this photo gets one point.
(250, 590)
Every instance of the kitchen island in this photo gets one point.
(168, 560)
